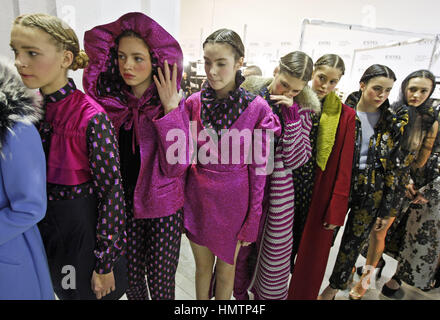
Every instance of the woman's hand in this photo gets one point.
(381, 223)
(244, 243)
(420, 199)
(167, 88)
(329, 226)
(282, 100)
(293, 108)
(103, 284)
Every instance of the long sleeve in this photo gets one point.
(23, 169)
(258, 171)
(296, 137)
(104, 164)
(338, 205)
(173, 154)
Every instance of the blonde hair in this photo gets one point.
(297, 64)
(64, 37)
(332, 61)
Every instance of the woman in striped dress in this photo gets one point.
(293, 101)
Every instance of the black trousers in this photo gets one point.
(153, 249)
(69, 235)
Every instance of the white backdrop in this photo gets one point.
(402, 59)
(270, 28)
(360, 47)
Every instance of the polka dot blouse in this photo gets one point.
(105, 184)
(221, 114)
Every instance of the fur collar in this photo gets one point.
(17, 103)
(307, 99)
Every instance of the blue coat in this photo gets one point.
(24, 273)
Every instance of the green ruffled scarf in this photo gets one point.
(328, 125)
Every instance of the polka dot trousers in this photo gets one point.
(153, 247)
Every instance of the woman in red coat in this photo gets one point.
(328, 207)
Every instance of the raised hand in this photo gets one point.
(167, 88)
(281, 99)
(410, 192)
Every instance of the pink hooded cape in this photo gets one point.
(159, 188)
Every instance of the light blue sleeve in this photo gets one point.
(23, 169)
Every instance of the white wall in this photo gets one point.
(167, 14)
(10, 9)
(34, 6)
(7, 15)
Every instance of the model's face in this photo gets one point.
(376, 91)
(324, 80)
(417, 91)
(38, 61)
(221, 67)
(135, 64)
(286, 85)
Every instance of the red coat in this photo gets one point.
(329, 204)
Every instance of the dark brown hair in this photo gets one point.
(130, 34)
(377, 70)
(229, 37)
(426, 74)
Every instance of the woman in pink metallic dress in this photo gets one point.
(223, 196)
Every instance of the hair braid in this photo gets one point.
(64, 37)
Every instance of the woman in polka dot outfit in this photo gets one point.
(125, 75)
(84, 227)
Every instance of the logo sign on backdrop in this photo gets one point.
(362, 46)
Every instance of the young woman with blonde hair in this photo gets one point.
(84, 227)
(323, 184)
(293, 101)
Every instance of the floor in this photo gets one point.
(407, 292)
(185, 284)
(185, 288)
